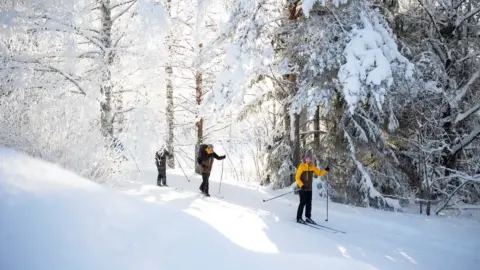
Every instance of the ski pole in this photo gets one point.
(135, 163)
(278, 196)
(221, 177)
(327, 196)
(182, 168)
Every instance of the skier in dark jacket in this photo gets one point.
(161, 162)
(304, 179)
(206, 161)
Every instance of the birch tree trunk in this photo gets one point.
(198, 97)
(169, 88)
(106, 114)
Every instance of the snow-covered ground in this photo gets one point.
(53, 219)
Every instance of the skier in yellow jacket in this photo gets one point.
(304, 178)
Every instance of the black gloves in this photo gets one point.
(327, 169)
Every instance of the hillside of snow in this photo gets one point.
(53, 219)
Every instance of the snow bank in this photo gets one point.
(53, 219)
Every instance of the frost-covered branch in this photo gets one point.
(462, 116)
(459, 4)
(465, 179)
(311, 132)
(467, 16)
(95, 40)
(470, 56)
(464, 89)
(121, 13)
(431, 18)
(467, 140)
(67, 76)
(122, 3)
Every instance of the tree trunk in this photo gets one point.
(295, 12)
(106, 113)
(199, 124)
(274, 115)
(295, 142)
(427, 186)
(316, 127)
(169, 87)
(198, 96)
(429, 203)
(287, 123)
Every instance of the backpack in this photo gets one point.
(201, 154)
(201, 150)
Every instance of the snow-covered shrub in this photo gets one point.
(66, 135)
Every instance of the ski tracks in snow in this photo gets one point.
(373, 239)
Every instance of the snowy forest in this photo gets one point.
(384, 92)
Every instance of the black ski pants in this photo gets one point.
(204, 185)
(162, 176)
(305, 202)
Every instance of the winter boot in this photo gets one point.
(206, 194)
(301, 221)
(309, 220)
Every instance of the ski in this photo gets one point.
(311, 226)
(168, 187)
(325, 227)
(214, 196)
(321, 227)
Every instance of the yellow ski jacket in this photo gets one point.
(304, 176)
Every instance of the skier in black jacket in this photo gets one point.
(161, 162)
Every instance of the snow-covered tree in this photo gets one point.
(79, 59)
(442, 118)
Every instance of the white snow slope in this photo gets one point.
(53, 219)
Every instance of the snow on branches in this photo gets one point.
(370, 55)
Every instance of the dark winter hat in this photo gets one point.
(210, 146)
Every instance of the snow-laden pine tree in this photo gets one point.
(349, 69)
(334, 63)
